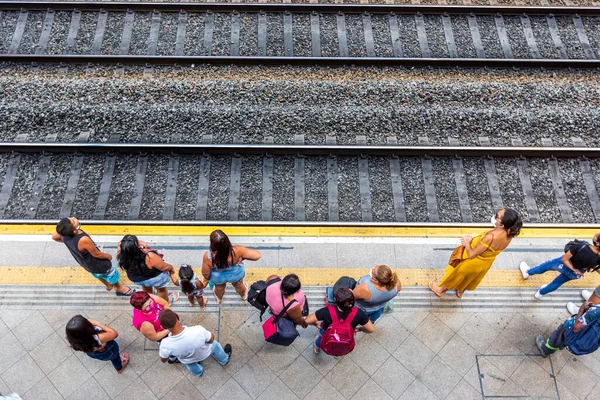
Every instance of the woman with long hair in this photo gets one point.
(224, 263)
(479, 254)
(145, 267)
(96, 340)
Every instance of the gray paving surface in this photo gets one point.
(414, 354)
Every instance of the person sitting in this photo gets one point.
(373, 291)
(280, 293)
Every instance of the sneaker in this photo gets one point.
(572, 308)
(173, 360)
(539, 295)
(586, 294)
(541, 345)
(524, 269)
(227, 349)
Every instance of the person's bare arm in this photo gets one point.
(161, 301)
(480, 248)
(56, 237)
(361, 292)
(247, 253)
(150, 333)
(212, 338)
(206, 265)
(108, 334)
(399, 286)
(164, 360)
(566, 260)
(312, 320)
(367, 328)
(295, 314)
(86, 244)
(153, 260)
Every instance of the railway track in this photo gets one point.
(297, 184)
(271, 33)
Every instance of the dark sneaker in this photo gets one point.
(173, 360)
(541, 345)
(227, 350)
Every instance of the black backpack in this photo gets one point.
(575, 245)
(257, 295)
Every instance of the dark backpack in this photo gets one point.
(338, 338)
(257, 295)
(344, 281)
(586, 341)
(575, 245)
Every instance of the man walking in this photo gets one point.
(580, 334)
(190, 344)
(87, 254)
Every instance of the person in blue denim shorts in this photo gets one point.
(145, 267)
(577, 260)
(225, 263)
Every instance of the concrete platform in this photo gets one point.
(480, 346)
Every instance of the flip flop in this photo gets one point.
(128, 293)
(174, 297)
(440, 295)
(124, 361)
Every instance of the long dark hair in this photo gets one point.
(221, 249)
(80, 334)
(131, 258)
(512, 222)
(186, 275)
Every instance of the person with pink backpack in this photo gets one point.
(338, 324)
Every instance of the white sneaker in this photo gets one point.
(537, 294)
(524, 268)
(572, 308)
(586, 294)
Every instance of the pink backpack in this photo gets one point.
(338, 338)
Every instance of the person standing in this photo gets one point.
(224, 263)
(479, 254)
(145, 267)
(281, 292)
(190, 344)
(86, 253)
(579, 258)
(373, 291)
(96, 340)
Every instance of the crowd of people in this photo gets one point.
(352, 306)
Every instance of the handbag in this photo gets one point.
(456, 256)
(279, 330)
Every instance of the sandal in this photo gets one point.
(174, 297)
(440, 295)
(124, 361)
(128, 293)
(459, 294)
(316, 349)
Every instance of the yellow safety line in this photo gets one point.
(174, 230)
(308, 276)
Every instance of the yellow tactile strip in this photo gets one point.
(308, 276)
(270, 231)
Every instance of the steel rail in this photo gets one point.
(558, 226)
(311, 150)
(296, 7)
(281, 60)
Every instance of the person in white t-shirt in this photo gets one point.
(190, 344)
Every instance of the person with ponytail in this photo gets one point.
(479, 254)
(191, 285)
(374, 291)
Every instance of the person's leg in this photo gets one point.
(555, 284)
(546, 266)
(164, 293)
(240, 288)
(110, 353)
(192, 299)
(219, 354)
(195, 368)
(219, 291)
(148, 289)
(375, 315)
(108, 285)
(555, 341)
(317, 341)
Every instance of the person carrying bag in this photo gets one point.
(279, 330)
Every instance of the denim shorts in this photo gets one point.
(158, 282)
(112, 276)
(233, 274)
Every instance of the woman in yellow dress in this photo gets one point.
(480, 252)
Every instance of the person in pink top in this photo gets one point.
(146, 308)
(281, 292)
